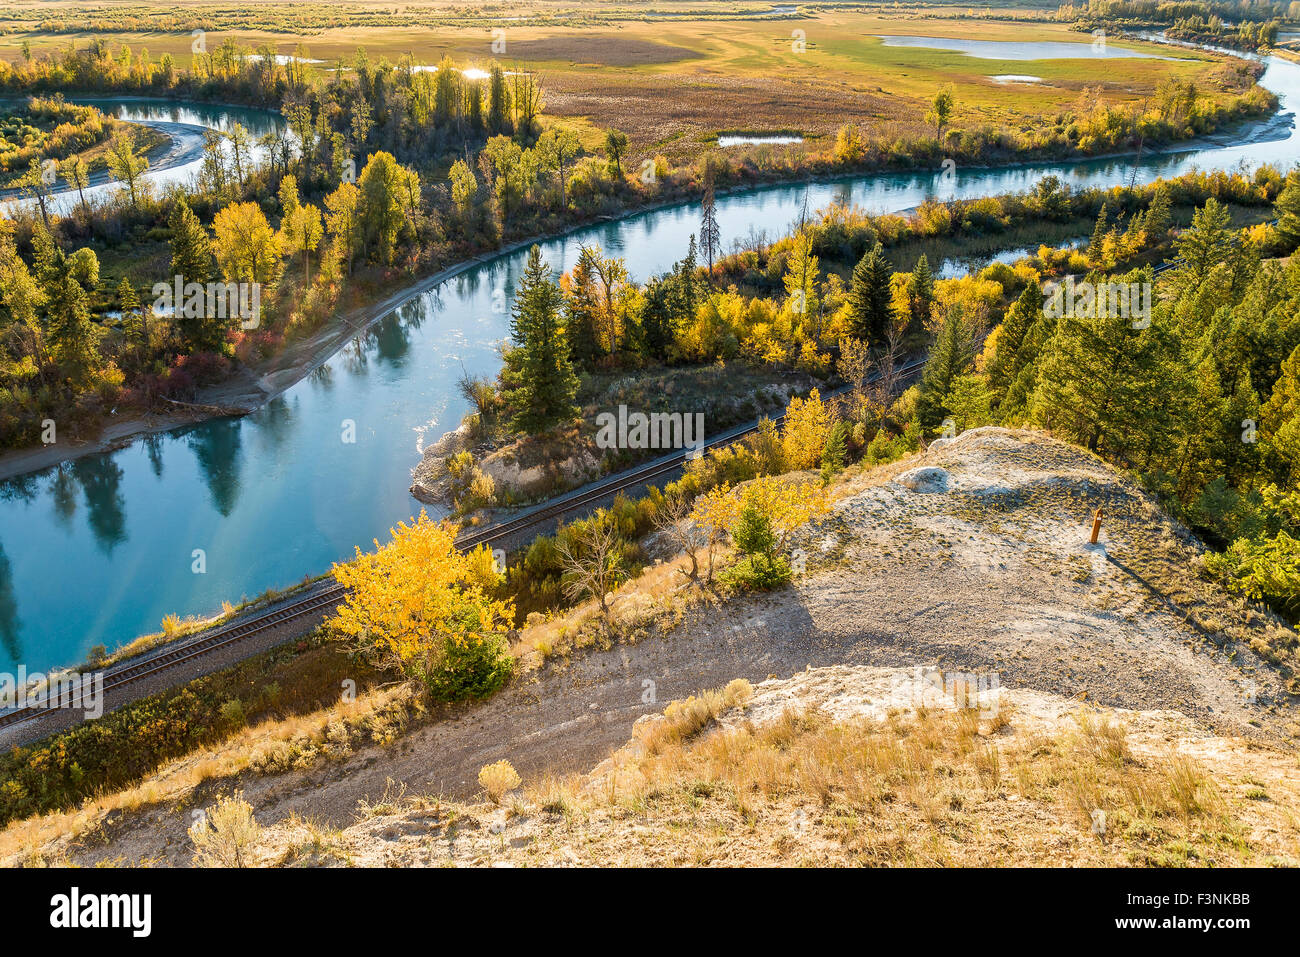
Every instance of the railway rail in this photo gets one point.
(327, 595)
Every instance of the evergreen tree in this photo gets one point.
(1287, 207)
(1202, 434)
(1205, 244)
(191, 246)
(192, 262)
(687, 283)
(835, 452)
(1004, 366)
(870, 298)
(658, 316)
(1157, 218)
(539, 382)
(951, 357)
(710, 234)
(134, 319)
(1105, 385)
(581, 308)
(1098, 241)
(73, 336)
(920, 293)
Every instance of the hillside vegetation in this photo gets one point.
(969, 562)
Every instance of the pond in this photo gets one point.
(1017, 50)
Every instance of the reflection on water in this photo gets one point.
(185, 123)
(99, 550)
(100, 479)
(1019, 50)
(216, 448)
(8, 610)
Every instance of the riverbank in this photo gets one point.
(252, 388)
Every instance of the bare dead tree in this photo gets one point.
(885, 385)
(591, 564)
(674, 521)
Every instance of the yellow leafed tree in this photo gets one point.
(788, 505)
(715, 512)
(808, 425)
(417, 604)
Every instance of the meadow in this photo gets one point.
(673, 80)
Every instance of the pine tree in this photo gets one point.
(1204, 244)
(1098, 241)
(580, 310)
(920, 293)
(539, 382)
(688, 284)
(710, 234)
(1003, 367)
(1105, 385)
(191, 247)
(73, 336)
(192, 262)
(952, 355)
(1015, 404)
(657, 317)
(134, 320)
(1202, 419)
(870, 298)
(835, 452)
(1157, 218)
(1288, 209)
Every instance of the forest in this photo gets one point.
(383, 172)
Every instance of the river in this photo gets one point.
(99, 549)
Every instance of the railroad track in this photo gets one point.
(327, 596)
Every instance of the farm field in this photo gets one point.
(673, 83)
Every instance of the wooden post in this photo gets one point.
(1096, 527)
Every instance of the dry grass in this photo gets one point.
(277, 745)
(932, 788)
(672, 83)
(924, 788)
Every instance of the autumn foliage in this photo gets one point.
(418, 605)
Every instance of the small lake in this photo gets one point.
(1016, 50)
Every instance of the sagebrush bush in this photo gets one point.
(226, 834)
(498, 779)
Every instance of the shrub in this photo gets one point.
(498, 779)
(758, 573)
(470, 666)
(225, 834)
